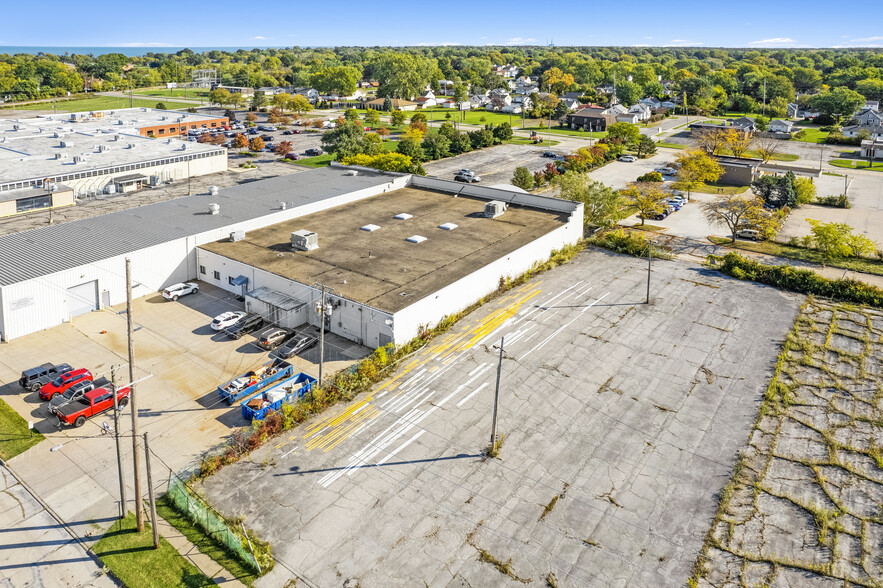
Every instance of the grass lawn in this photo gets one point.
(858, 264)
(528, 141)
(326, 158)
(722, 189)
(132, 558)
(670, 145)
(568, 132)
(812, 134)
(205, 543)
(856, 164)
(473, 117)
(15, 437)
(173, 93)
(100, 103)
(646, 227)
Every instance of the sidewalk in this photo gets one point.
(206, 565)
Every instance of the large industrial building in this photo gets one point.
(395, 251)
(50, 161)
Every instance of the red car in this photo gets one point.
(93, 403)
(63, 382)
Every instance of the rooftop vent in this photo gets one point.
(214, 208)
(59, 155)
(105, 148)
(63, 144)
(304, 240)
(448, 226)
(494, 208)
(79, 159)
(130, 146)
(213, 190)
(237, 236)
(370, 228)
(351, 172)
(404, 216)
(415, 239)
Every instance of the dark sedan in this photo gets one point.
(296, 345)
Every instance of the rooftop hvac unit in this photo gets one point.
(130, 146)
(116, 138)
(62, 143)
(59, 155)
(156, 180)
(15, 127)
(213, 190)
(237, 236)
(73, 117)
(79, 159)
(105, 148)
(494, 208)
(304, 240)
(212, 208)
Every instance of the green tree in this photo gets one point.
(372, 117)
(776, 191)
(258, 100)
(460, 93)
(522, 178)
(344, 140)
(436, 146)
(351, 114)
(831, 239)
(502, 132)
(219, 96)
(460, 143)
(340, 79)
(646, 146)
(696, 168)
(403, 75)
(628, 93)
(839, 102)
(805, 189)
(397, 118)
(161, 106)
(299, 104)
(410, 148)
(601, 203)
(629, 133)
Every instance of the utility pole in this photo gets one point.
(649, 263)
(764, 96)
(136, 453)
(116, 434)
(150, 493)
(497, 397)
(323, 312)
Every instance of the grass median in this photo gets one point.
(856, 264)
(131, 557)
(15, 436)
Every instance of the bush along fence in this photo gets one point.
(346, 384)
(248, 548)
(795, 279)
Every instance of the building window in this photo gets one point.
(162, 131)
(230, 280)
(217, 275)
(202, 269)
(213, 124)
(34, 203)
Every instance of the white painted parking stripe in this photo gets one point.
(473, 393)
(400, 447)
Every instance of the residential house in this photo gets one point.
(667, 104)
(617, 109)
(356, 95)
(868, 117)
(513, 108)
(272, 90)
(446, 86)
(604, 89)
(642, 110)
(781, 126)
(744, 123)
(571, 103)
(873, 130)
(424, 102)
(396, 103)
(590, 118)
(506, 71)
(873, 105)
(628, 117)
(497, 99)
(793, 110)
(650, 102)
(465, 105)
(478, 100)
(807, 113)
(310, 94)
(523, 101)
(244, 91)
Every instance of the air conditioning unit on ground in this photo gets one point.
(237, 236)
(304, 240)
(494, 208)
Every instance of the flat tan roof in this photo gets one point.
(380, 268)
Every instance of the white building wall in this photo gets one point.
(349, 319)
(41, 303)
(465, 291)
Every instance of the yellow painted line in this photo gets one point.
(352, 430)
(340, 433)
(334, 420)
(279, 445)
(434, 368)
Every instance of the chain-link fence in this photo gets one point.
(210, 521)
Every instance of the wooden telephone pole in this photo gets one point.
(136, 450)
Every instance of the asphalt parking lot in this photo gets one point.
(620, 422)
(178, 404)
(495, 165)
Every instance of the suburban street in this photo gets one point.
(629, 414)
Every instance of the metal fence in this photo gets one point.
(210, 521)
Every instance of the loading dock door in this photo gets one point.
(83, 298)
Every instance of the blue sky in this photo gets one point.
(749, 23)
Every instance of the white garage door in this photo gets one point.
(83, 298)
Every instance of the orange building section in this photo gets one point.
(174, 129)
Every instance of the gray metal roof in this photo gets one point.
(43, 251)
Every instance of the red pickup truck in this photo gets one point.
(93, 403)
(63, 382)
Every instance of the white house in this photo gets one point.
(650, 101)
(571, 103)
(357, 95)
(513, 108)
(642, 110)
(873, 105)
(617, 109)
(424, 102)
(793, 110)
(310, 94)
(628, 117)
(523, 101)
(781, 126)
(868, 117)
(855, 130)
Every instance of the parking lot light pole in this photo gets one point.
(649, 263)
(497, 398)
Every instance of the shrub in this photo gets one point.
(650, 177)
(797, 280)
(840, 201)
(628, 243)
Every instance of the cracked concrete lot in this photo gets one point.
(806, 504)
(621, 423)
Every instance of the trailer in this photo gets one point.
(255, 380)
(290, 390)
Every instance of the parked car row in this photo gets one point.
(670, 205)
(286, 342)
(72, 395)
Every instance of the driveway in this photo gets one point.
(620, 422)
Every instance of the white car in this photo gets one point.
(666, 171)
(628, 158)
(176, 291)
(227, 319)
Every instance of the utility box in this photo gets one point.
(494, 208)
(304, 240)
(237, 236)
